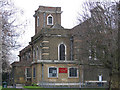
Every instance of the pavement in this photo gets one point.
(17, 86)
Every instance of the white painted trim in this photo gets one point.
(45, 41)
(65, 51)
(26, 73)
(95, 81)
(68, 72)
(41, 11)
(38, 21)
(52, 19)
(48, 71)
(54, 61)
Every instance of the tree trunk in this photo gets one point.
(115, 81)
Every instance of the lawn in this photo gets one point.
(32, 87)
(40, 88)
(0, 87)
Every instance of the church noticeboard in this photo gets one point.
(62, 70)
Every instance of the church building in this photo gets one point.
(52, 49)
(52, 57)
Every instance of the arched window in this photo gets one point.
(50, 20)
(62, 52)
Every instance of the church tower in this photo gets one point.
(52, 49)
(46, 17)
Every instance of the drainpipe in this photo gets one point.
(71, 48)
(42, 73)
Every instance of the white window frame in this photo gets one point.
(59, 51)
(48, 19)
(26, 73)
(48, 72)
(69, 71)
(38, 21)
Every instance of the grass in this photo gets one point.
(10, 89)
(40, 88)
(63, 89)
(32, 87)
(0, 87)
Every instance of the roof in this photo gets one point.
(57, 26)
(18, 63)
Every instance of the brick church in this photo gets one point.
(52, 55)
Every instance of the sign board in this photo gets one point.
(62, 70)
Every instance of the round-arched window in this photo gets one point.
(62, 49)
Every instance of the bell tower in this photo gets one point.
(46, 17)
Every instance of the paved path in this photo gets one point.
(24, 89)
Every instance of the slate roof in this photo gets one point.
(57, 26)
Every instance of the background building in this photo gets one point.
(21, 71)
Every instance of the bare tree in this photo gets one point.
(10, 31)
(0, 51)
(99, 21)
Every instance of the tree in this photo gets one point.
(10, 31)
(100, 38)
(0, 51)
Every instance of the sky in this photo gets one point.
(70, 9)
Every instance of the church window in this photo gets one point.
(50, 20)
(34, 72)
(38, 23)
(52, 72)
(73, 72)
(62, 52)
(27, 72)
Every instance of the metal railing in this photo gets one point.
(73, 85)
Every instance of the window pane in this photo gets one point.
(28, 72)
(34, 72)
(73, 72)
(37, 21)
(53, 72)
(49, 20)
(62, 52)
